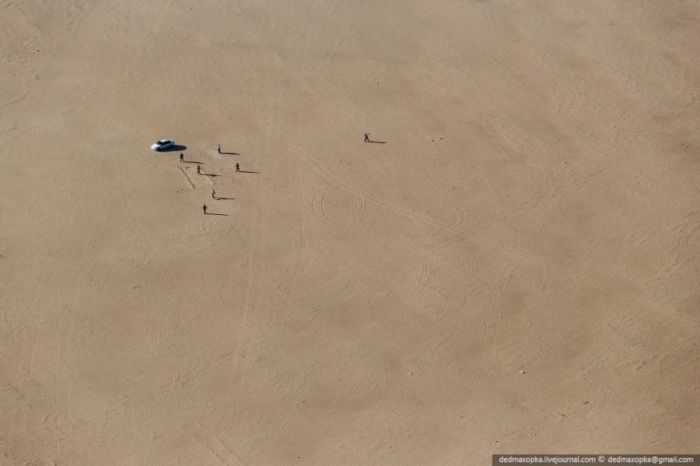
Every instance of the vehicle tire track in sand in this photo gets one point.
(296, 177)
(360, 211)
(422, 273)
(255, 263)
(688, 242)
(333, 179)
(213, 444)
(149, 246)
(17, 98)
(254, 269)
(496, 298)
(295, 171)
(11, 96)
(250, 301)
(458, 218)
(329, 208)
(316, 205)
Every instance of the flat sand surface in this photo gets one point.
(515, 269)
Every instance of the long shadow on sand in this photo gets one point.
(214, 213)
(220, 198)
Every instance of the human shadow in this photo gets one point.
(246, 171)
(201, 173)
(174, 148)
(218, 151)
(372, 141)
(190, 161)
(216, 213)
(219, 198)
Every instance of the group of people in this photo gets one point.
(237, 167)
(200, 172)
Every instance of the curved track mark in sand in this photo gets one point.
(325, 173)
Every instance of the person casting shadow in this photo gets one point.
(218, 151)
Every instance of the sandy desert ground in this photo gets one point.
(515, 270)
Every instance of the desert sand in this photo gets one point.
(514, 270)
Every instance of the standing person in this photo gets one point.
(218, 148)
(367, 137)
(204, 209)
(182, 157)
(238, 167)
(199, 169)
(213, 194)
